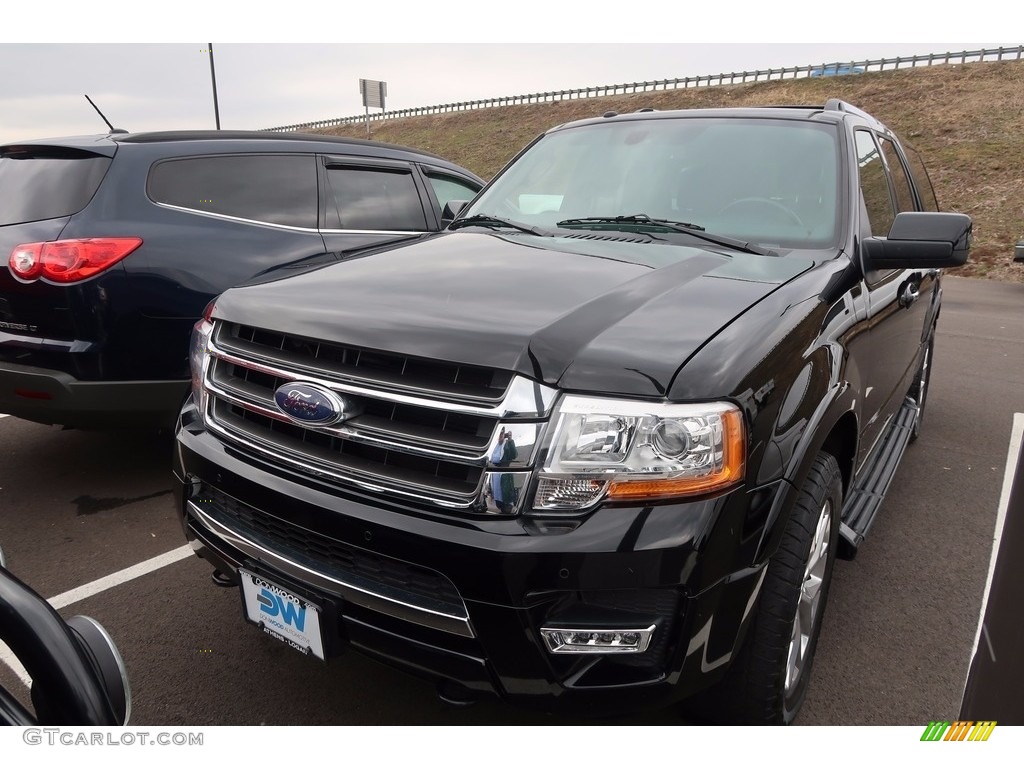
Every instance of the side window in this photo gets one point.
(276, 189)
(447, 189)
(373, 198)
(900, 180)
(921, 180)
(874, 185)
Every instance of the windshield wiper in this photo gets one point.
(636, 218)
(486, 220)
(642, 219)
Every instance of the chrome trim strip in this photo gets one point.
(382, 603)
(273, 451)
(289, 227)
(238, 219)
(399, 232)
(347, 433)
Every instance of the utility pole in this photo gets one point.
(213, 79)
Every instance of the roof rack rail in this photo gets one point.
(838, 105)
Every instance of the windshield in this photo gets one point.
(769, 181)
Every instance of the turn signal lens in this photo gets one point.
(726, 472)
(69, 261)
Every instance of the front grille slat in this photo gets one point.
(324, 455)
(410, 431)
(395, 580)
(426, 446)
(368, 367)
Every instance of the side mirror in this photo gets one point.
(78, 675)
(452, 209)
(920, 240)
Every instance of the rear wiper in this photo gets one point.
(486, 220)
(641, 219)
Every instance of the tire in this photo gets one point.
(919, 391)
(767, 683)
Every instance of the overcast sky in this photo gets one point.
(443, 54)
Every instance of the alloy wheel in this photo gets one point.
(809, 604)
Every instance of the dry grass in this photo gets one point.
(966, 120)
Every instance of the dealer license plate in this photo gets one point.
(282, 615)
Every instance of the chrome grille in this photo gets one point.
(379, 369)
(422, 430)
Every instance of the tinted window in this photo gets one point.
(900, 180)
(278, 189)
(373, 198)
(47, 184)
(447, 189)
(874, 185)
(921, 180)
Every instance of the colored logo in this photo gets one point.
(961, 730)
(276, 605)
(309, 404)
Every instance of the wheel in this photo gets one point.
(765, 202)
(920, 389)
(767, 682)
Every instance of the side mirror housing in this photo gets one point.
(452, 209)
(920, 240)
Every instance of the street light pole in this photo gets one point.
(213, 79)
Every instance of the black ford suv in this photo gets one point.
(110, 247)
(599, 444)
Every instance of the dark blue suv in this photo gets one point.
(111, 246)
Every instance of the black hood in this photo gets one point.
(586, 313)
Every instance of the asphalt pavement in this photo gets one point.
(895, 649)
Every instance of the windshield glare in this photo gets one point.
(770, 181)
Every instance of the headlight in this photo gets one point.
(625, 450)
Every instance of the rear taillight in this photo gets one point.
(69, 261)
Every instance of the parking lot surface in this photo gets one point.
(77, 507)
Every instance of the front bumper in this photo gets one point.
(463, 599)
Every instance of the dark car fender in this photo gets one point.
(799, 396)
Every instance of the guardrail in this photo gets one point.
(700, 81)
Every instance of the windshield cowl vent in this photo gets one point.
(614, 236)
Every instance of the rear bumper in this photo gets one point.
(386, 575)
(54, 397)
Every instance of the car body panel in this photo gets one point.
(129, 325)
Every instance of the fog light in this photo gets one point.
(597, 641)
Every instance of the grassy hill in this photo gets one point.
(967, 121)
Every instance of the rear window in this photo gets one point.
(276, 189)
(41, 184)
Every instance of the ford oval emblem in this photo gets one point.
(309, 404)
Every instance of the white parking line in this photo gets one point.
(94, 588)
(1016, 441)
(4, 415)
